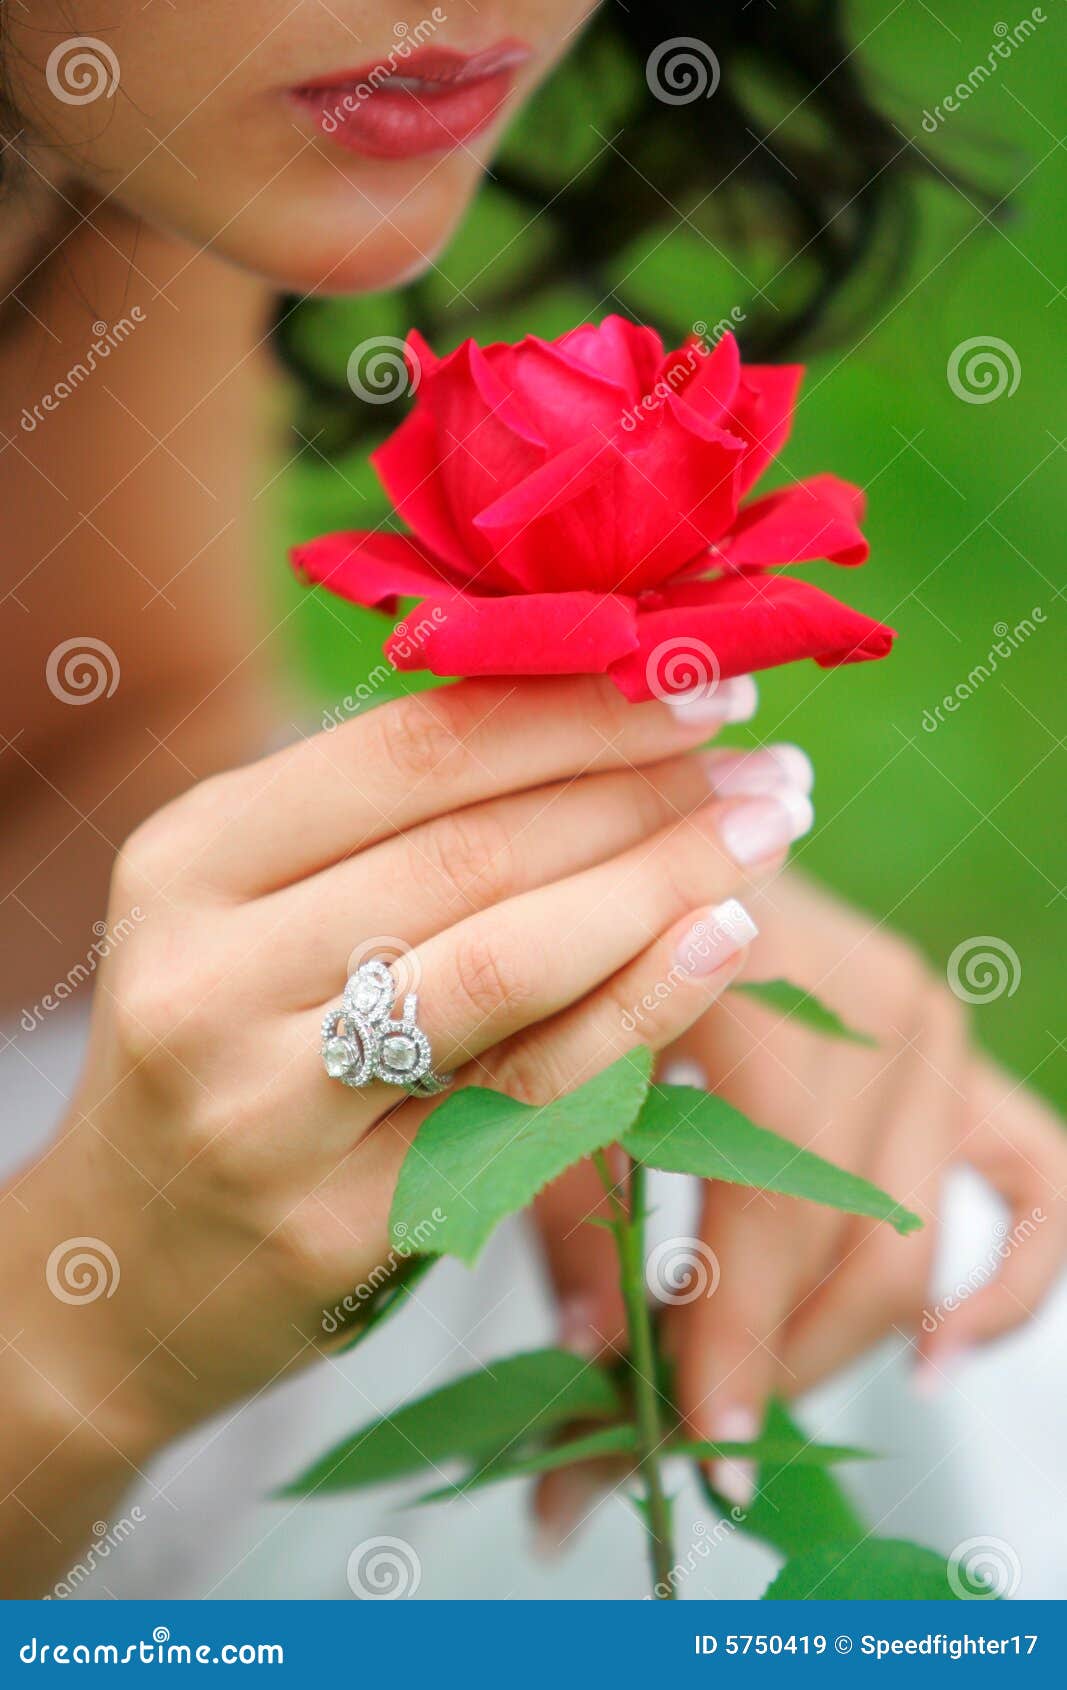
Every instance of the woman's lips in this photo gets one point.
(426, 101)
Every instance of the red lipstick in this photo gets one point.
(429, 100)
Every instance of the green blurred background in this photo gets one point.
(952, 831)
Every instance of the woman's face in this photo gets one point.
(326, 144)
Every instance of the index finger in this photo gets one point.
(416, 758)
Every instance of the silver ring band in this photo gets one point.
(362, 1041)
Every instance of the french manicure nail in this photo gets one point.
(715, 938)
(933, 1373)
(577, 1332)
(734, 700)
(767, 769)
(757, 828)
(685, 1072)
(736, 1480)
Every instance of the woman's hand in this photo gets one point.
(541, 852)
(803, 1289)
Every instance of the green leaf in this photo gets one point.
(497, 1408)
(798, 1505)
(693, 1132)
(610, 1440)
(388, 1301)
(770, 1452)
(881, 1569)
(481, 1156)
(804, 1007)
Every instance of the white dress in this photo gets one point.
(987, 1461)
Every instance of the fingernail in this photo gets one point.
(758, 828)
(734, 700)
(767, 769)
(715, 938)
(577, 1331)
(736, 1480)
(933, 1373)
(683, 1072)
(573, 1495)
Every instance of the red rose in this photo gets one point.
(576, 508)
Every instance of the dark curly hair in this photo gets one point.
(751, 124)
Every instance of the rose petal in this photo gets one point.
(618, 520)
(407, 466)
(563, 398)
(371, 569)
(518, 634)
(741, 623)
(702, 382)
(819, 518)
(628, 353)
(762, 413)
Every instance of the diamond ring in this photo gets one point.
(362, 1041)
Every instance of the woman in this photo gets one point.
(227, 1189)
